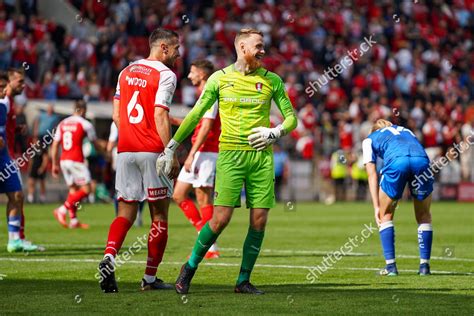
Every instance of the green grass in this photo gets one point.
(61, 279)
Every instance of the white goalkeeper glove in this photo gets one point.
(261, 137)
(164, 163)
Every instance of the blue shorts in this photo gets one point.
(10, 180)
(412, 170)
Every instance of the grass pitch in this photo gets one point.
(61, 279)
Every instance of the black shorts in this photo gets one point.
(36, 163)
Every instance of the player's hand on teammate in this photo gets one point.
(2, 143)
(164, 162)
(167, 163)
(55, 171)
(262, 137)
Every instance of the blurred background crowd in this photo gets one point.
(419, 73)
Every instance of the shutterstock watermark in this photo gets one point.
(34, 149)
(437, 165)
(334, 257)
(135, 248)
(345, 62)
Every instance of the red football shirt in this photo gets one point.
(211, 144)
(70, 133)
(142, 86)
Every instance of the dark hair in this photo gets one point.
(204, 65)
(80, 105)
(161, 34)
(4, 76)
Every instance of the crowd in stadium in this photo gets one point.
(418, 74)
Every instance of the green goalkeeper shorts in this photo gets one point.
(254, 169)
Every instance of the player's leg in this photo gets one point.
(425, 233)
(13, 184)
(183, 185)
(118, 230)
(73, 204)
(180, 196)
(139, 220)
(157, 240)
(129, 187)
(260, 190)
(421, 188)
(387, 233)
(251, 250)
(158, 191)
(392, 185)
(204, 184)
(60, 213)
(229, 181)
(31, 183)
(80, 190)
(206, 238)
(204, 199)
(14, 221)
(229, 178)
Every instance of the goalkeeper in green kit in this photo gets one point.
(243, 91)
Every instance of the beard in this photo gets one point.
(252, 62)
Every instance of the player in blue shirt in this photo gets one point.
(10, 182)
(405, 161)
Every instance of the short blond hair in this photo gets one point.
(245, 33)
(379, 124)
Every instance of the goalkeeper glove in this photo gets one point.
(261, 137)
(164, 163)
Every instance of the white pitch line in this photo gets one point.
(281, 251)
(352, 254)
(221, 264)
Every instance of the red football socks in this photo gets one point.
(190, 211)
(157, 239)
(117, 233)
(206, 213)
(73, 200)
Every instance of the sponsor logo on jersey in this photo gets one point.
(157, 192)
(141, 69)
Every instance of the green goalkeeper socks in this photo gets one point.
(252, 246)
(204, 241)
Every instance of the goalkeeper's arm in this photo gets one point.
(206, 100)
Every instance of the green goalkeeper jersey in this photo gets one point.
(244, 103)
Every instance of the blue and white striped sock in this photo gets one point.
(387, 237)
(425, 240)
(14, 223)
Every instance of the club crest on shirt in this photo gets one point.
(259, 86)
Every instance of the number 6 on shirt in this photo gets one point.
(134, 105)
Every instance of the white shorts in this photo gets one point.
(75, 172)
(203, 170)
(136, 178)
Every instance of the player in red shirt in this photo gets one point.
(141, 104)
(200, 166)
(70, 134)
